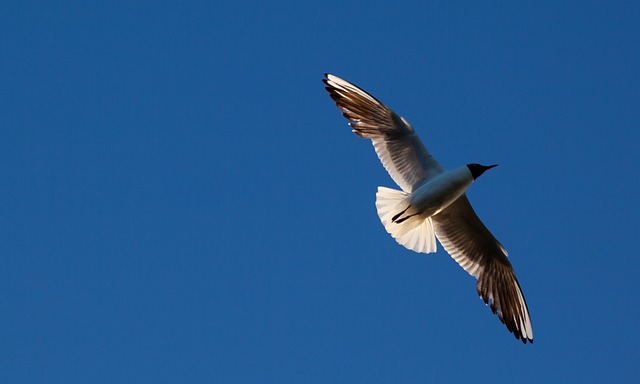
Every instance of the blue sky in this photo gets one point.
(180, 200)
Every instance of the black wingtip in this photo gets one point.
(526, 340)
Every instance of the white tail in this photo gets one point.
(415, 233)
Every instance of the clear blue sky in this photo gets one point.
(180, 200)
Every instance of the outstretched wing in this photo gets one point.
(399, 148)
(470, 243)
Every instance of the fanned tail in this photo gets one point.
(414, 232)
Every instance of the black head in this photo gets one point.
(477, 169)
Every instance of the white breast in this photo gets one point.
(436, 194)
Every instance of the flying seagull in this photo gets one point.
(433, 204)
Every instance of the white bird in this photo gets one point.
(433, 204)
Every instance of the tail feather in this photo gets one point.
(414, 232)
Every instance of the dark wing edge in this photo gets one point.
(471, 244)
(400, 150)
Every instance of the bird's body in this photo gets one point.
(433, 203)
(436, 194)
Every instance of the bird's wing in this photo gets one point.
(470, 243)
(399, 148)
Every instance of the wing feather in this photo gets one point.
(400, 150)
(472, 245)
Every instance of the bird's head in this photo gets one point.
(478, 169)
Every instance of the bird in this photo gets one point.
(432, 203)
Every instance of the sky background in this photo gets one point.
(181, 202)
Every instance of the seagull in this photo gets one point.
(433, 203)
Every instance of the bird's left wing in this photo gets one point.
(400, 150)
(472, 245)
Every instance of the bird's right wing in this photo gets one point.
(472, 245)
(399, 148)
